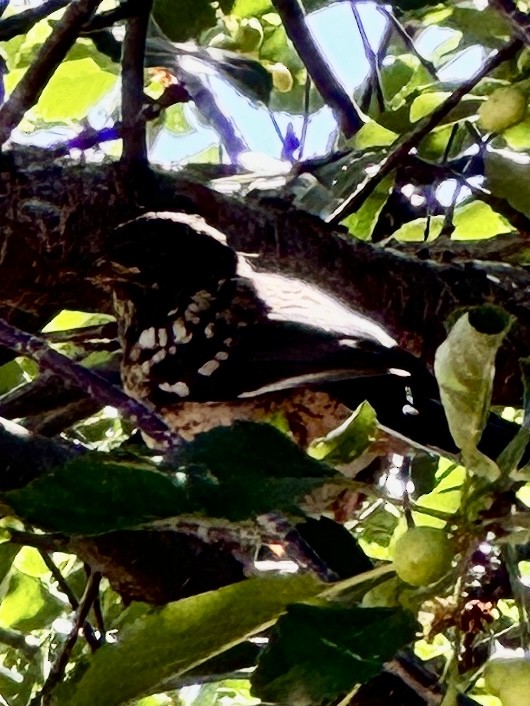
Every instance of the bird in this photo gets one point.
(207, 341)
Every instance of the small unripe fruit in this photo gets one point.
(508, 678)
(422, 555)
(505, 107)
(282, 79)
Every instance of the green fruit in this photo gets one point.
(249, 35)
(505, 107)
(508, 678)
(422, 555)
(282, 79)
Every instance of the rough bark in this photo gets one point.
(56, 223)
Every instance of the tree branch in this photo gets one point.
(93, 384)
(134, 152)
(356, 200)
(326, 82)
(49, 56)
(519, 21)
(46, 271)
(23, 21)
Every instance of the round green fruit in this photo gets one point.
(508, 678)
(422, 555)
(505, 107)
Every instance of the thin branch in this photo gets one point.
(356, 200)
(64, 587)
(407, 39)
(519, 21)
(93, 384)
(326, 82)
(43, 698)
(17, 640)
(27, 92)
(22, 22)
(132, 98)
(371, 56)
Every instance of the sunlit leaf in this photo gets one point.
(464, 367)
(181, 635)
(477, 220)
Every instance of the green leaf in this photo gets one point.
(75, 87)
(464, 366)
(90, 494)
(319, 653)
(361, 223)
(349, 440)
(477, 220)
(181, 20)
(508, 179)
(234, 473)
(28, 605)
(11, 375)
(231, 453)
(372, 134)
(179, 636)
(415, 230)
(251, 8)
(335, 545)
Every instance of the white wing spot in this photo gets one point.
(202, 299)
(208, 368)
(180, 332)
(209, 331)
(162, 337)
(190, 316)
(179, 388)
(222, 355)
(172, 350)
(145, 367)
(147, 338)
(158, 356)
(173, 312)
(228, 342)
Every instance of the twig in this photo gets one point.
(43, 698)
(64, 587)
(134, 152)
(407, 39)
(327, 84)
(371, 56)
(28, 90)
(18, 641)
(355, 200)
(22, 22)
(519, 21)
(94, 385)
(109, 17)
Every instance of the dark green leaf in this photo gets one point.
(90, 495)
(335, 546)
(320, 652)
(246, 447)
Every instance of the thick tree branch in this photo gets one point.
(48, 269)
(402, 149)
(50, 55)
(326, 83)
